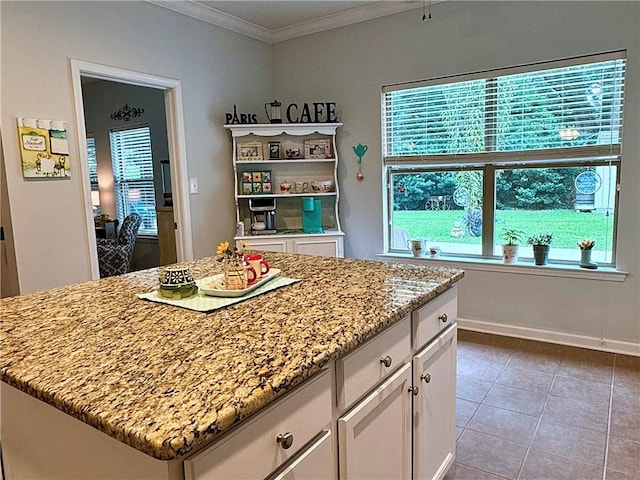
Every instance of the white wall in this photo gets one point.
(217, 68)
(350, 65)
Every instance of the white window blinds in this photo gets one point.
(576, 103)
(93, 162)
(133, 175)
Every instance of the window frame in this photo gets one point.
(489, 161)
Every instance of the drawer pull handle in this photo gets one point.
(386, 361)
(443, 318)
(426, 377)
(414, 389)
(285, 440)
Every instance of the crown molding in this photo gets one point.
(372, 10)
(346, 17)
(216, 17)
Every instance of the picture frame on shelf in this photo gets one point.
(250, 151)
(317, 149)
(274, 151)
(256, 182)
(293, 153)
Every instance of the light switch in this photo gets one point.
(193, 185)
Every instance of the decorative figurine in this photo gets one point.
(360, 150)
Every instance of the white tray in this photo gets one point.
(214, 285)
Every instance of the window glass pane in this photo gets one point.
(562, 107)
(572, 106)
(133, 174)
(443, 207)
(93, 162)
(439, 119)
(546, 200)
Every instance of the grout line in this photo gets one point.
(535, 430)
(608, 437)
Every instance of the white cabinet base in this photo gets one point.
(326, 244)
(434, 423)
(375, 436)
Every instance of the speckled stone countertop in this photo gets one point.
(167, 380)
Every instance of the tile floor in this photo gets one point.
(534, 411)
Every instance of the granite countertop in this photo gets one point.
(166, 380)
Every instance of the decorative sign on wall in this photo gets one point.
(319, 112)
(360, 150)
(126, 113)
(243, 118)
(44, 149)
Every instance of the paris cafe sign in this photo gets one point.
(308, 112)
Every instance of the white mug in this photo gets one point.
(416, 246)
(301, 187)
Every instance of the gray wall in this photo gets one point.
(217, 68)
(350, 65)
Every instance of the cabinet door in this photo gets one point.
(374, 438)
(434, 408)
(270, 244)
(328, 246)
(316, 461)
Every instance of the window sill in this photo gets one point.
(607, 274)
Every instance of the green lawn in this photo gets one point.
(568, 226)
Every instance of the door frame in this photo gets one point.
(176, 141)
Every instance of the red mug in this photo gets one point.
(258, 263)
(252, 274)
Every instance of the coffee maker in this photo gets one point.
(263, 216)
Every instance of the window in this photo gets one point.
(133, 176)
(535, 148)
(93, 163)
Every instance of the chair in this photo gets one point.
(114, 255)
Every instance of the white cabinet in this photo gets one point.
(375, 440)
(258, 179)
(375, 436)
(314, 462)
(328, 245)
(265, 442)
(434, 426)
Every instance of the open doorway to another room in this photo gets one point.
(129, 166)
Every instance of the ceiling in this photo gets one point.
(277, 20)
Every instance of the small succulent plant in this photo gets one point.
(540, 239)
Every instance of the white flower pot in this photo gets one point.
(509, 253)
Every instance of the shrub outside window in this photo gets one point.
(534, 148)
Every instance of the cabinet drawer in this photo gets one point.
(434, 317)
(252, 451)
(313, 462)
(363, 369)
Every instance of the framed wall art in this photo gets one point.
(250, 151)
(256, 182)
(274, 150)
(44, 149)
(320, 148)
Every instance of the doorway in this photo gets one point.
(171, 90)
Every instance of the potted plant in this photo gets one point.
(512, 238)
(540, 243)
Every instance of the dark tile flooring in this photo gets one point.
(535, 411)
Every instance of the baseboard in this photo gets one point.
(551, 336)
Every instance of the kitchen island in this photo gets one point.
(169, 382)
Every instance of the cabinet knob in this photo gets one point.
(443, 318)
(414, 389)
(386, 361)
(285, 440)
(426, 377)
